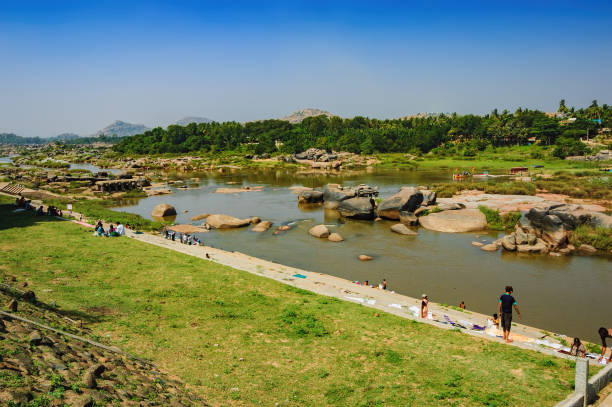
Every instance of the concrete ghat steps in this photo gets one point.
(13, 189)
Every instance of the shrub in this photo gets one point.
(495, 221)
(598, 237)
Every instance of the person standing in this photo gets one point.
(505, 305)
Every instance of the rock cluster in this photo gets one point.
(317, 155)
(544, 230)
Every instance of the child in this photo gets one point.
(578, 348)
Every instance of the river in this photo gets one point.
(570, 295)
(73, 166)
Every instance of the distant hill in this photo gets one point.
(64, 137)
(11, 138)
(192, 119)
(300, 115)
(122, 129)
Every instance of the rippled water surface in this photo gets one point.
(568, 294)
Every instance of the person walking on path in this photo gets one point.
(603, 334)
(505, 305)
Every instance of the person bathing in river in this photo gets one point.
(578, 348)
(462, 305)
(383, 285)
(505, 305)
(424, 305)
(603, 334)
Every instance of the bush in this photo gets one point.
(598, 237)
(495, 221)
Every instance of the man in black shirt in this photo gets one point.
(506, 302)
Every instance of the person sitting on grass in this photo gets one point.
(100, 230)
(603, 334)
(120, 229)
(578, 348)
(39, 211)
(505, 305)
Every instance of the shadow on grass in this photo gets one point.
(10, 219)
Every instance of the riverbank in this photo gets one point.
(241, 339)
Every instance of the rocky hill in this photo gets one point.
(48, 358)
(192, 119)
(300, 115)
(121, 129)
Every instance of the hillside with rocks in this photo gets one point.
(48, 358)
(300, 115)
(121, 129)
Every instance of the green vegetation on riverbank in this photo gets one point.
(598, 237)
(495, 221)
(240, 339)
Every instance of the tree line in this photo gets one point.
(366, 135)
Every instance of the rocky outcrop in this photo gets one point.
(163, 210)
(461, 220)
(365, 257)
(408, 199)
(320, 231)
(403, 229)
(357, 208)
(450, 206)
(334, 194)
(220, 221)
(83, 374)
(408, 218)
(200, 217)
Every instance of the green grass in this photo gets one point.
(95, 209)
(598, 237)
(495, 221)
(447, 190)
(240, 339)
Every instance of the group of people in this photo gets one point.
(382, 285)
(26, 204)
(182, 237)
(112, 230)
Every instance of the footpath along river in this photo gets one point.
(570, 295)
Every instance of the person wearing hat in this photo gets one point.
(424, 304)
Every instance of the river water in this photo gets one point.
(570, 295)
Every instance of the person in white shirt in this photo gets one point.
(120, 229)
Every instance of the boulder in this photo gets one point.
(450, 206)
(538, 248)
(35, 338)
(335, 237)
(536, 216)
(357, 208)
(601, 220)
(309, 197)
(319, 231)
(461, 220)
(520, 237)
(255, 220)
(477, 244)
(553, 230)
(187, 229)
(333, 194)
(408, 199)
(509, 242)
(408, 218)
(262, 226)
(200, 217)
(365, 257)
(429, 197)
(403, 229)
(163, 210)
(220, 221)
(586, 249)
(491, 247)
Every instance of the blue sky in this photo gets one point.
(76, 66)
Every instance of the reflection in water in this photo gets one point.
(551, 291)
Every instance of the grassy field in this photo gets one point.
(241, 339)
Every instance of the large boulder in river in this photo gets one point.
(219, 221)
(310, 197)
(319, 231)
(407, 199)
(357, 208)
(461, 220)
(163, 210)
(333, 194)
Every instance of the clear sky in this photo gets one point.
(76, 66)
